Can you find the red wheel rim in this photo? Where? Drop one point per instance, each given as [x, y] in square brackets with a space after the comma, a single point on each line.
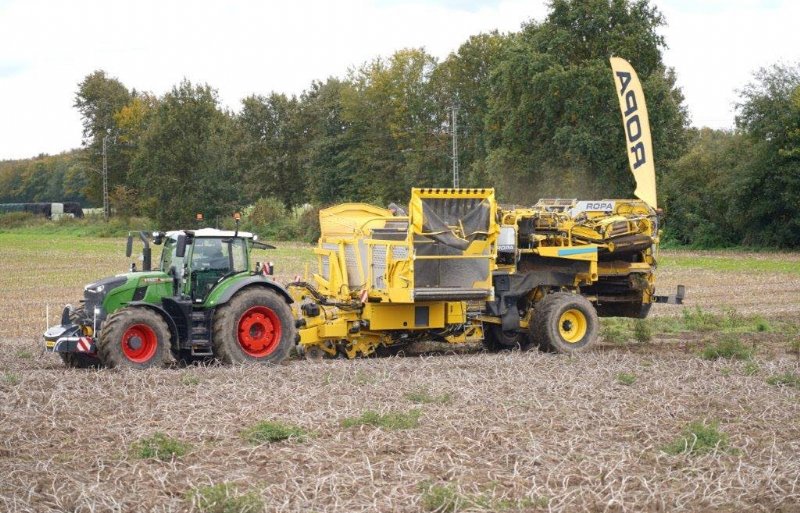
[259, 331]
[139, 343]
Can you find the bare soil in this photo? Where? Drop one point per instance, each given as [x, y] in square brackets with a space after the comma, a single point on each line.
[520, 431]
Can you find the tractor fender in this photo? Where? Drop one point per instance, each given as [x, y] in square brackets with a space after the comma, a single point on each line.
[173, 329]
[253, 281]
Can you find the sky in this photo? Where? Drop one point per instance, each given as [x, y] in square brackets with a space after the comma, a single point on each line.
[244, 47]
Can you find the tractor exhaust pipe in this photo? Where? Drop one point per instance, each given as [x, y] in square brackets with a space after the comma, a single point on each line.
[146, 252]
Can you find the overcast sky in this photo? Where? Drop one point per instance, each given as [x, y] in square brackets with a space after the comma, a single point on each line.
[241, 47]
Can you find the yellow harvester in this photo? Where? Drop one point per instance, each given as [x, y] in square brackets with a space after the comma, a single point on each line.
[459, 269]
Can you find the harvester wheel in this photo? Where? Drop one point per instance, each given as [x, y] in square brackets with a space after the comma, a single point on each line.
[495, 339]
[255, 326]
[135, 338]
[564, 322]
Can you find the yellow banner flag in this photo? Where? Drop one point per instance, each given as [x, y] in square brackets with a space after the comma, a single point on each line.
[637, 129]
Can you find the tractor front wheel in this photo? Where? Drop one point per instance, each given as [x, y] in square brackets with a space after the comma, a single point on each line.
[79, 361]
[255, 326]
[135, 338]
[564, 322]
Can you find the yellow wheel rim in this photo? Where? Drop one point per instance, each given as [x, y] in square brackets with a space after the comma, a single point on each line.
[572, 326]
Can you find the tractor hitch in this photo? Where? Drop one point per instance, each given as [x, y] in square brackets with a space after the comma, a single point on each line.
[672, 299]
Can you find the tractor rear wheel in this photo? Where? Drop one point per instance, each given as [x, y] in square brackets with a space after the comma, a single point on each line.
[495, 339]
[135, 338]
[564, 322]
[255, 326]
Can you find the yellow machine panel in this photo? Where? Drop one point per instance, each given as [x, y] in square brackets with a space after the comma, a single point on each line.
[416, 316]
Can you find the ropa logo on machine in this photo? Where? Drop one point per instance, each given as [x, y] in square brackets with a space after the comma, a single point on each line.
[592, 206]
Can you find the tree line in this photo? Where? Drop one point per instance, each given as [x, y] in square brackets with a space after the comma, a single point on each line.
[537, 117]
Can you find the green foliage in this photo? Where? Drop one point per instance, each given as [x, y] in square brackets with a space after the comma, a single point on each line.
[739, 188]
[190, 380]
[750, 369]
[556, 120]
[72, 227]
[762, 325]
[642, 331]
[787, 379]
[729, 348]
[699, 320]
[159, 446]
[442, 498]
[19, 220]
[423, 396]
[625, 378]
[11, 378]
[271, 149]
[270, 219]
[224, 498]
[267, 211]
[271, 431]
[308, 226]
[56, 178]
[536, 106]
[98, 99]
[391, 420]
[614, 330]
[730, 263]
[184, 163]
[24, 354]
[699, 438]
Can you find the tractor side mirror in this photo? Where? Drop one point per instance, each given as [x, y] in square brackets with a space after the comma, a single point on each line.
[129, 246]
[180, 246]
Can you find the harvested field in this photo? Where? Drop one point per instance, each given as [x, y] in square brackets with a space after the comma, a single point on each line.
[602, 431]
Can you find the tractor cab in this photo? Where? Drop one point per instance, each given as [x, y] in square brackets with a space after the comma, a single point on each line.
[198, 260]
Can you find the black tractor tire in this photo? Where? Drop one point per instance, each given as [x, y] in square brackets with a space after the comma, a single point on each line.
[256, 325]
[564, 322]
[134, 338]
[79, 360]
[495, 339]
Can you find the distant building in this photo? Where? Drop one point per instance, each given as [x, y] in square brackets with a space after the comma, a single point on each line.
[49, 210]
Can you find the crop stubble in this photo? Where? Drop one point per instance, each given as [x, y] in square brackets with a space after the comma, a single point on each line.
[518, 431]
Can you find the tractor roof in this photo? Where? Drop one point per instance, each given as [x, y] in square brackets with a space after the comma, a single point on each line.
[212, 232]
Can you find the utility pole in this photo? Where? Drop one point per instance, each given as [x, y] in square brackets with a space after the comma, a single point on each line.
[455, 145]
[106, 210]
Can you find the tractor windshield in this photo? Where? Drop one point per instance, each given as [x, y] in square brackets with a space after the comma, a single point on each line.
[212, 259]
[168, 254]
[213, 254]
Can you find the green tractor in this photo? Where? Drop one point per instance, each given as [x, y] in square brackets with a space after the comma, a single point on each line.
[202, 301]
